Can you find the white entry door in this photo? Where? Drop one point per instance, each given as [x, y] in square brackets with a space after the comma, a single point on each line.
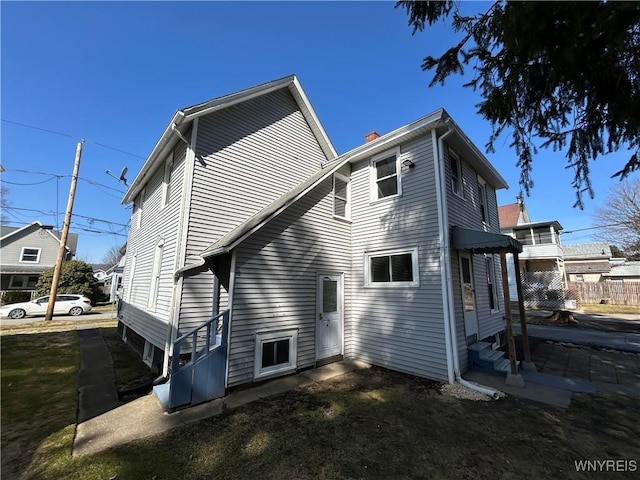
[468, 296]
[329, 316]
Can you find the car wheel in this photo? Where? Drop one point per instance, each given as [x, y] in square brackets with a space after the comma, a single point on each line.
[17, 313]
[75, 311]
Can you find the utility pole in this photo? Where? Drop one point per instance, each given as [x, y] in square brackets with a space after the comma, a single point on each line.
[65, 233]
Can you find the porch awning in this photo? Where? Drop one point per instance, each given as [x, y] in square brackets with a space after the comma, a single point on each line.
[483, 242]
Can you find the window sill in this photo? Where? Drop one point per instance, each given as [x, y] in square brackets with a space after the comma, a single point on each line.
[342, 219]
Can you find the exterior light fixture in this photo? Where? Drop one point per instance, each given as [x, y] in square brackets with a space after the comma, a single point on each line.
[408, 163]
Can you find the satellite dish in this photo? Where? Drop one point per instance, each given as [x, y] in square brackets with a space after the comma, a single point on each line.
[122, 176]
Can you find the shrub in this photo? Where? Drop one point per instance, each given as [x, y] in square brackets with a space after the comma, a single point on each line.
[75, 277]
[15, 296]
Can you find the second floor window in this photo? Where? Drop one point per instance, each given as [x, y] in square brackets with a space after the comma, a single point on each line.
[456, 174]
[341, 202]
[482, 199]
[30, 255]
[385, 176]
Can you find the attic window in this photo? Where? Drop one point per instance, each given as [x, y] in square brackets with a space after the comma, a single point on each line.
[30, 255]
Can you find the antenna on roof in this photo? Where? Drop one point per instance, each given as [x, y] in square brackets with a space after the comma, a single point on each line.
[122, 178]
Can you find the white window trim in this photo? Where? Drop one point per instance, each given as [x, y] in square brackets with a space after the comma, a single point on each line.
[147, 354]
[454, 155]
[166, 182]
[37, 260]
[134, 260]
[491, 266]
[140, 205]
[348, 199]
[154, 288]
[373, 181]
[384, 253]
[266, 337]
[483, 201]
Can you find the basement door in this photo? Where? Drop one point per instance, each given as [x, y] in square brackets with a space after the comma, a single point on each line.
[329, 316]
[468, 296]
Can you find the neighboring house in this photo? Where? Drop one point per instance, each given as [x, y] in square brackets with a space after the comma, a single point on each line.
[100, 271]
[587, 262]
[242, 213]
[624, 272]
[541, 262]
[26, 252]
[112, 286]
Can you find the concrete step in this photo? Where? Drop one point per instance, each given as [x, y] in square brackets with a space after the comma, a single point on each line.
[489, 359]
[504, 366]
[162, 392]
[479, 346]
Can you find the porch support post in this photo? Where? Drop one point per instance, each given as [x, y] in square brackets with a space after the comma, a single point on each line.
[216, 294]
[513, 377]
[527, 364]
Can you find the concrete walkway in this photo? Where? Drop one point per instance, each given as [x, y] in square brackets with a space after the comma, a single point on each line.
[144, 416]
[97, 392]
[625, 342]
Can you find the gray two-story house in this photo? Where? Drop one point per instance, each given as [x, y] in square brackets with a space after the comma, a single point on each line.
[255, 251]
[27, 252]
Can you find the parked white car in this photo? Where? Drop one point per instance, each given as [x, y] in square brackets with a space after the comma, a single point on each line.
[65, 303]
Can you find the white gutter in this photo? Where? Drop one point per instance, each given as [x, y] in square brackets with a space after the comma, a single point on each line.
[451, 344]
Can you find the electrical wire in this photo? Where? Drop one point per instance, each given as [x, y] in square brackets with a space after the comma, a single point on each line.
[71, 136]
[28, 184]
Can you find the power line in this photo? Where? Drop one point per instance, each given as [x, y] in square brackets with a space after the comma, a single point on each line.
[38, 128]
[592, 228]
[28, 184]
[71, 136]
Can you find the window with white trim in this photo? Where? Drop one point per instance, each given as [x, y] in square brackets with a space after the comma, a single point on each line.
[30, 255]
[147, 355]
[491, 283]
[385, 175]
[140, 204]
[482, 200]
[131, 275]
[398, 268]
[456, 174]
[341, 197]
[275, 353]
[166, 182]
[155, 274]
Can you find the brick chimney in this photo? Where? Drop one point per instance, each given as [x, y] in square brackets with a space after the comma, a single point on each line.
[370, 137]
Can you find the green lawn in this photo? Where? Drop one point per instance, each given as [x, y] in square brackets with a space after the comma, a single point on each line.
[366, 424]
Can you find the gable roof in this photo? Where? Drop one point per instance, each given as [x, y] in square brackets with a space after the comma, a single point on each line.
[72, 238]
[182, 119]
[438, 119]
[508, 215]
[582, 251]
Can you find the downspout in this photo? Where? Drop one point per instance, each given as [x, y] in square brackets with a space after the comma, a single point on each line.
[451, 344]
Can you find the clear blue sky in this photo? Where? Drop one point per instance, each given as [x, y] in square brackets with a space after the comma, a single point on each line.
[114, 74]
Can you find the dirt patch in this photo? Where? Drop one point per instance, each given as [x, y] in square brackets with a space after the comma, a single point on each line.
[593, 321]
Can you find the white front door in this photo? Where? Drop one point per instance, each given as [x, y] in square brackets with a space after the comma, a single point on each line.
[329, 316]
[468, 296]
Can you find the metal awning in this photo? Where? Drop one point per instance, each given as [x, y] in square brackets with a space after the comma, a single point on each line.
[479, 241]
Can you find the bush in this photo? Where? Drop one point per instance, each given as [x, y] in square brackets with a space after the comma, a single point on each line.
[15, 296]
[75, 277]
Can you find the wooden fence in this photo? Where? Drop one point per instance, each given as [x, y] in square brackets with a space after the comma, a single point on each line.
[615, 293]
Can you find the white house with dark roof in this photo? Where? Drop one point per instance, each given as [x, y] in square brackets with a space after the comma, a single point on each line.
[255, 251]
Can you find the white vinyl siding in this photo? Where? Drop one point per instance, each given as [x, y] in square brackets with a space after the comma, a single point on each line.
[276, 279]
[398, 328]
[155, 275]
[34, 237]
[465, 212]
[166, 182]
[141, 248]
[248, 156]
